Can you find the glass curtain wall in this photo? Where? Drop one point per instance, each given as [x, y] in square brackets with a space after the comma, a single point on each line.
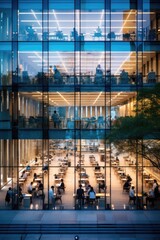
[68, 71]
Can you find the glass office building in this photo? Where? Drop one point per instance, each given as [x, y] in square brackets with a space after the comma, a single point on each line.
[68, 70]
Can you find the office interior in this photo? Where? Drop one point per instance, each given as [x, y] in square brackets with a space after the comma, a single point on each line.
[105, 53]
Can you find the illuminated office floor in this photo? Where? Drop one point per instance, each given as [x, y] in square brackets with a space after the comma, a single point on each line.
[119, 199]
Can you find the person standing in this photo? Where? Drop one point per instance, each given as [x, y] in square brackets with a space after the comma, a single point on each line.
[132, 195]
[80, 195]
[51, 196]
[56, 119]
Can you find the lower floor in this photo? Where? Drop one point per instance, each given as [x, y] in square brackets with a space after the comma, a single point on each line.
[29, 182]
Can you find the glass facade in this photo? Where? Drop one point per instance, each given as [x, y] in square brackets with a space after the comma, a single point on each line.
[68, 70]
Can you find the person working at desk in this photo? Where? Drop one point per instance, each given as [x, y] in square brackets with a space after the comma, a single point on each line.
[99, 74]
[57, 75]
[24, 175]
[102, 186]
[74, 34]
[50, 71]
[30, 188]
[98, 32]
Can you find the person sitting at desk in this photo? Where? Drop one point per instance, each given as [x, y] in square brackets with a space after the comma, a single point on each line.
[99, 74]
[50, 72]
[74, 34]
[57, 76]
[133, 78]
[99, 71]
[102, 186]
[151, 77]
[98, 32]
[127, 185]
[59, 35]
[97, 168]
[28, 168]
[56, 119]
[24, 175]
[34, 176]
[129, 178]
[45, 167]
[30, 188]
[31, 34]
[124, 77]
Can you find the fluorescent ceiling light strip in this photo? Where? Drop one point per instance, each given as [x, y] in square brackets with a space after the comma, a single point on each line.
[63, 98]
[123, 63]
[62, 62]
[54, 13]
[101, 19]
[125, 22]
[97, 98]
[36, 18]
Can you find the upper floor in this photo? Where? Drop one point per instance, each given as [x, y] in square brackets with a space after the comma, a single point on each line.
[86, 20]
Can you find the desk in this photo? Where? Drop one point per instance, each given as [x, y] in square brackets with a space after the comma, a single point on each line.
[123, 179]
[27, 200]
[150, 180]
[100, 179]
[98, 195]
[58, 35]
[37, 179]
[83, 180]
[118, 36]
[102, 195]
[22, 180]
[98, 173]
[120, 171]
[57, 180]
[28, 173]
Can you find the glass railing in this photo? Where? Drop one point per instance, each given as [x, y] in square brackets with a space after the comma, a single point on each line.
[42, 80]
